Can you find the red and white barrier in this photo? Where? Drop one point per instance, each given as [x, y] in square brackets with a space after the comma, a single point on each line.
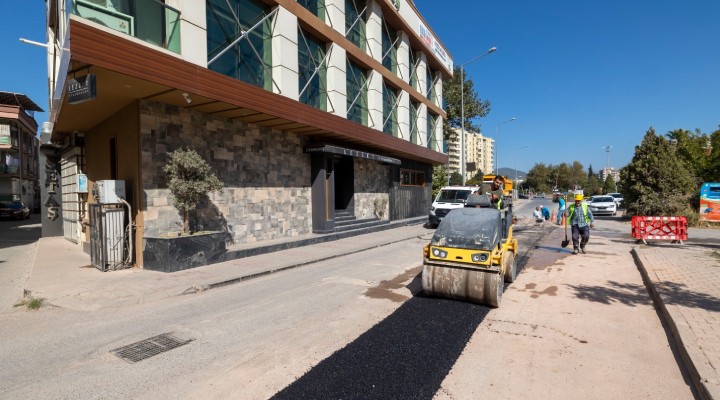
[659, 228]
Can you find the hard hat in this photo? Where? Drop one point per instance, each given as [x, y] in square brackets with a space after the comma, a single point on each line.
[578, 197]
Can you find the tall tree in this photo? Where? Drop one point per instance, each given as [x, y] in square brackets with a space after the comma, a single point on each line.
[473, 105]
[656, 182]
[590, 171]
[539, 178]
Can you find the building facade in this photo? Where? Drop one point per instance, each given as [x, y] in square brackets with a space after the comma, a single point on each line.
[615, 173]
[479, 153]
[303, 109]
[18, 149]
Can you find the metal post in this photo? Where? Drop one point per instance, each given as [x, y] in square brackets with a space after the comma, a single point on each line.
[462, 124]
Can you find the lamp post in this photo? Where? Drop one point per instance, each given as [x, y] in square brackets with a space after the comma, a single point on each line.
[516, 177]
[462, 110]
[497, 128]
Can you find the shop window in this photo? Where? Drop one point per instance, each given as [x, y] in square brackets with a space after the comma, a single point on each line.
[410, 177]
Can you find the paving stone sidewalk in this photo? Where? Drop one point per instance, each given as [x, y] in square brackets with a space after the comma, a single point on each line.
[685, 282]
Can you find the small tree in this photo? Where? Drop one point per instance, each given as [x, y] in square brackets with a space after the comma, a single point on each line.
[189, 179]
[609, 185]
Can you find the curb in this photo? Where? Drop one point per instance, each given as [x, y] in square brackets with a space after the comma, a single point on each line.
[696, 364]
[196, 288]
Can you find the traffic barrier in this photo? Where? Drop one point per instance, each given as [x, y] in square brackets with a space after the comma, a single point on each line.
[659, 228]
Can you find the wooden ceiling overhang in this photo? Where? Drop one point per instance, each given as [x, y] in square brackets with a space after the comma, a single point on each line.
[128, 70]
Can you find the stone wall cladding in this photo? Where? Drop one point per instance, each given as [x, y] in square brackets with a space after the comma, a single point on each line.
[265, 173]
[371, 183]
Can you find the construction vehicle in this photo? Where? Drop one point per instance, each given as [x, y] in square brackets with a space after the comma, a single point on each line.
[472, 254]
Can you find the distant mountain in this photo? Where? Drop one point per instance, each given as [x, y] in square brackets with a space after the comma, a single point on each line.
[510, 173]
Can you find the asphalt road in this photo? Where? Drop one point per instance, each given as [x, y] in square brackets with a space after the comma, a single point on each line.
[18, 241]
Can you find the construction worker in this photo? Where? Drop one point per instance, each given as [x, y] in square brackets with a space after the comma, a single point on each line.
[561, 207]
[580, 223]
[495, 192]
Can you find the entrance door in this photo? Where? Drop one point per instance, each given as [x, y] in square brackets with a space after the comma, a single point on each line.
[344, 183]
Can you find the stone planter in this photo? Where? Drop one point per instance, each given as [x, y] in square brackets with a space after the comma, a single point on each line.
[176, 253]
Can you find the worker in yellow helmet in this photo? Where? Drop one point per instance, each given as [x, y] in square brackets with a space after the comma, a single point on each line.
[580, 223]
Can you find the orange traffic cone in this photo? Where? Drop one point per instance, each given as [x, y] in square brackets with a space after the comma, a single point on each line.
[552, 216]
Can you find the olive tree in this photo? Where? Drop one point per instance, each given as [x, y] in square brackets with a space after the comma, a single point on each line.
[189, 179]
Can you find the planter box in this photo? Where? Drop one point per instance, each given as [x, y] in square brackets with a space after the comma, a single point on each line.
[171, 254]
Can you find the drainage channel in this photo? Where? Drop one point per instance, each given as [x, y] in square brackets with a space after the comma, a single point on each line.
[147, 348]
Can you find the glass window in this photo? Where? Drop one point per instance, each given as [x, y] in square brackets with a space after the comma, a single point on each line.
[389, 50]
[312, 71]
[249, 59]
[316, 7]
[431, 124]
[414, 131]
[390, 125]
[430, 86]
[355, 22]
[413, 70]
[356, 93]
[412, 178]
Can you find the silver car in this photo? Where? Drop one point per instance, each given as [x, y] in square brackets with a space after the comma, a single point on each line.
[600, 205]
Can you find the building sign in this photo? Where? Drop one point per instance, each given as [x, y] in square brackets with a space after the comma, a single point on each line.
[326, 148]
[51, 183]
[434, 45]
[81, 89]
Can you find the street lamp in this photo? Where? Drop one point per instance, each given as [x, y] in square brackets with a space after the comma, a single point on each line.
[516, 151]
[462, 110]
[497, 128]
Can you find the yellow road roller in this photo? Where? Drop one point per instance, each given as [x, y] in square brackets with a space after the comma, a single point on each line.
[471, 255]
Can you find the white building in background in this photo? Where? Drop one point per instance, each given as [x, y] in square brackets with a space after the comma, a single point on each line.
[479, 153]
[610, 171]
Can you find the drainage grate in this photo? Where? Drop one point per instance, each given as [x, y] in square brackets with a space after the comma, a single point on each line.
[149, 347]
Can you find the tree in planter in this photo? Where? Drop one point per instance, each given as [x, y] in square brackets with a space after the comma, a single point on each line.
[189, 179]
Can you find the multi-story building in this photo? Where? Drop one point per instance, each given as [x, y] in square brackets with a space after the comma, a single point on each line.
[302, 108]
[609, 171]
[479, 152]
[18, 149]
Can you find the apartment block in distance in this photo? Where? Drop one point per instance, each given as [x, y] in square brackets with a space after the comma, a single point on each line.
[18, 149]
[306, 110]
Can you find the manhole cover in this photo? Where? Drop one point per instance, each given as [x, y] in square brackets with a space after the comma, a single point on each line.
[149, 347]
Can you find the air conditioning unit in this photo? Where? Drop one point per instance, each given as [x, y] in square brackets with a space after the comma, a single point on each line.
[109, 191]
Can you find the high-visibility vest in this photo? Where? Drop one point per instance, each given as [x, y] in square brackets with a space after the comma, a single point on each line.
[571, 209]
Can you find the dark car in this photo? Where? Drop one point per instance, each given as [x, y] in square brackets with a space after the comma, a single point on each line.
[14, 210]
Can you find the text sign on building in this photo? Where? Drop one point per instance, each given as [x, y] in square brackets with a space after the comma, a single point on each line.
[351, 153]
[434, 45]
[82, 183]
[81, 89]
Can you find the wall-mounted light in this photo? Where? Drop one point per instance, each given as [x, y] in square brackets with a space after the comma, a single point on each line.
[187, 97]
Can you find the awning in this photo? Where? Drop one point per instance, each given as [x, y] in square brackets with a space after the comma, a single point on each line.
[19, 100]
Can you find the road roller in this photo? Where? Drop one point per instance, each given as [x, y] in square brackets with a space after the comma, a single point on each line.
[472, 254]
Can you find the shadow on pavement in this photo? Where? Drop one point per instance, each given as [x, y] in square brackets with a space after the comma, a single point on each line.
[405, 356]
[632, 295]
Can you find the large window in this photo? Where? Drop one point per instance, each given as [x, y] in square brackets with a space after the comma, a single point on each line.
[431, 124]
[316, 7]
[390, 96]
[413, 70]
[414, 130]
[355, 22]
[312, 71]
[356, 93]
[248, 59]
[410, 177]
[430, 86]
[389, 48]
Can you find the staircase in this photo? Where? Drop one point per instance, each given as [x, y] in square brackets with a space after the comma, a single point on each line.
[345, 221]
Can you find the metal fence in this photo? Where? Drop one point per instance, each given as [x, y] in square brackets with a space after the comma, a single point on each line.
[107, 236]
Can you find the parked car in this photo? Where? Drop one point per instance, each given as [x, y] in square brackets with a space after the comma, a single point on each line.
[448, 199]
[14, 210]
[602, 205]
[618, 198]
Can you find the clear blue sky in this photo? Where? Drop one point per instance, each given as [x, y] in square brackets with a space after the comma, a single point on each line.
[580, 75]
[577, 75]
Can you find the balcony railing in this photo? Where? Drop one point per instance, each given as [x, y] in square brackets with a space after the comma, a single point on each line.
[147, 20]
[8, 169]
[7, 140]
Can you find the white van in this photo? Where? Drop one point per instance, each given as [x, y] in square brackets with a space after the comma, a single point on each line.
[449, 198]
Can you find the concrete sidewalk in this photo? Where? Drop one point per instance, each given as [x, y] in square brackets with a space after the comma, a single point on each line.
[684, 281]
[63, 276]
